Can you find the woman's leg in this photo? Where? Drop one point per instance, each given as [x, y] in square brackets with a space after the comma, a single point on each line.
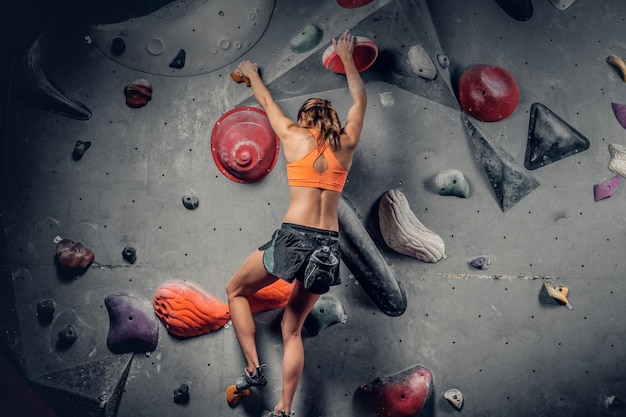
[296, 311]
[250, 278]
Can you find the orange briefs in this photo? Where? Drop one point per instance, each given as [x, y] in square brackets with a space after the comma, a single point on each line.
[301, 173]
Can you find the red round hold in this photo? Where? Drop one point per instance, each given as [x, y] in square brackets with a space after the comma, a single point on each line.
[488, 93]
[244, 146]
[353, 4]
[364, 54]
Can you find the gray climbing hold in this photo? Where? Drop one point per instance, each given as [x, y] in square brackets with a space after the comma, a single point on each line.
[79, 149]
[130, 254]
[421, 64]
[190, 200]
[452, 182]
[45, 311]
[443, 61]
[181, 394]
[66, 337]
[617, 162]
[481, 262]
[454, 398]
[509, 182]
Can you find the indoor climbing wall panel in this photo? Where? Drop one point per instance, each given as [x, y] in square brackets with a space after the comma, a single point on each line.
[109, 145]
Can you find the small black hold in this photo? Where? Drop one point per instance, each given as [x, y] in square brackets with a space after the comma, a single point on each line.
[79, 149]
[45, 311]
[130, 254]
[179, 60]
[118, 46]
[191, 201]
[181, 394]
[67, 336]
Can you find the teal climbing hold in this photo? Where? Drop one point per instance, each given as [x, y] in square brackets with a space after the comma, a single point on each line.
[452, 182]
[326, 312]
[307, 39]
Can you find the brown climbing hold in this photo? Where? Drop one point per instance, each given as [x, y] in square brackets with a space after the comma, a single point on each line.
[238, 77]
[138, 93]
[74, 254]
[188, 311]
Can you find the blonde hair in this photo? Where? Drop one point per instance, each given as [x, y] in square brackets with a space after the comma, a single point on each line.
[319, 114]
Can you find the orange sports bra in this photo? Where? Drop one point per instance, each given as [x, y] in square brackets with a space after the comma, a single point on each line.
[301, 173]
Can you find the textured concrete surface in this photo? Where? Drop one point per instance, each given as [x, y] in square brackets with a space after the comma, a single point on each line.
[495, 334]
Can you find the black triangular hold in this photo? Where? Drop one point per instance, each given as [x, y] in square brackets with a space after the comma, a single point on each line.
[509, 182]
[91, 389]
[521, 10]
[550, 138]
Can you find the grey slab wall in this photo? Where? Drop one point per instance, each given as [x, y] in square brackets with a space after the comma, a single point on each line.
[494, 334]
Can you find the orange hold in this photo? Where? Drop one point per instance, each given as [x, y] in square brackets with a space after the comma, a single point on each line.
[271, 297]
[187, 311]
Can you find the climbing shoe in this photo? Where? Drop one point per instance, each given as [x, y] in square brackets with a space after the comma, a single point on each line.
[246, 380]
[271, 413]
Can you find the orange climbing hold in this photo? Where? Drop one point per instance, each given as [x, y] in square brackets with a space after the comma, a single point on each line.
[233, 396]
[187, 311]
[271, 297]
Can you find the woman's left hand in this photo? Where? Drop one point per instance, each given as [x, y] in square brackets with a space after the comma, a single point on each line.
[246, 68]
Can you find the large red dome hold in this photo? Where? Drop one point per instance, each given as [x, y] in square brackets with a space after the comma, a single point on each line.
[488, 93]
[244, 146]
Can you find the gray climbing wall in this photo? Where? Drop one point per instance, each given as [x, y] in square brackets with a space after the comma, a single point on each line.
[493, 334]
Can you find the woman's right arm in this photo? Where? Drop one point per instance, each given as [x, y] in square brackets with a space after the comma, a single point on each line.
[280, 123]
[356, 115]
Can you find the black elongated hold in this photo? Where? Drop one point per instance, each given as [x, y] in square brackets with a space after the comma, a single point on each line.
[130, 254]
[521, 10]
[45, 311]
[118, 46]
[363, 258]
[32, 87]
[79, 149]
[67, 335]
[179, 60]
[181, 394]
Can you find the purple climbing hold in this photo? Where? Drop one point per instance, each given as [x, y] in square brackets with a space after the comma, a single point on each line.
[620, 113]
[133, 326]
[482, 262]
[606, 188]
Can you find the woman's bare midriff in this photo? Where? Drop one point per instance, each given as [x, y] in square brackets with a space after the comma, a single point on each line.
[313, 207]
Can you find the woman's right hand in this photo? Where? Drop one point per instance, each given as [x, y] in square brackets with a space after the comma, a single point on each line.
[345, 45]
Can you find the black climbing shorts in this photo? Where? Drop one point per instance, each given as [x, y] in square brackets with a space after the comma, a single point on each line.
[287, 254]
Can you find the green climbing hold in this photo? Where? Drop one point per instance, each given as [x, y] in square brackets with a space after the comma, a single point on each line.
[326, 312]
[452, 182]
[307, 39]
